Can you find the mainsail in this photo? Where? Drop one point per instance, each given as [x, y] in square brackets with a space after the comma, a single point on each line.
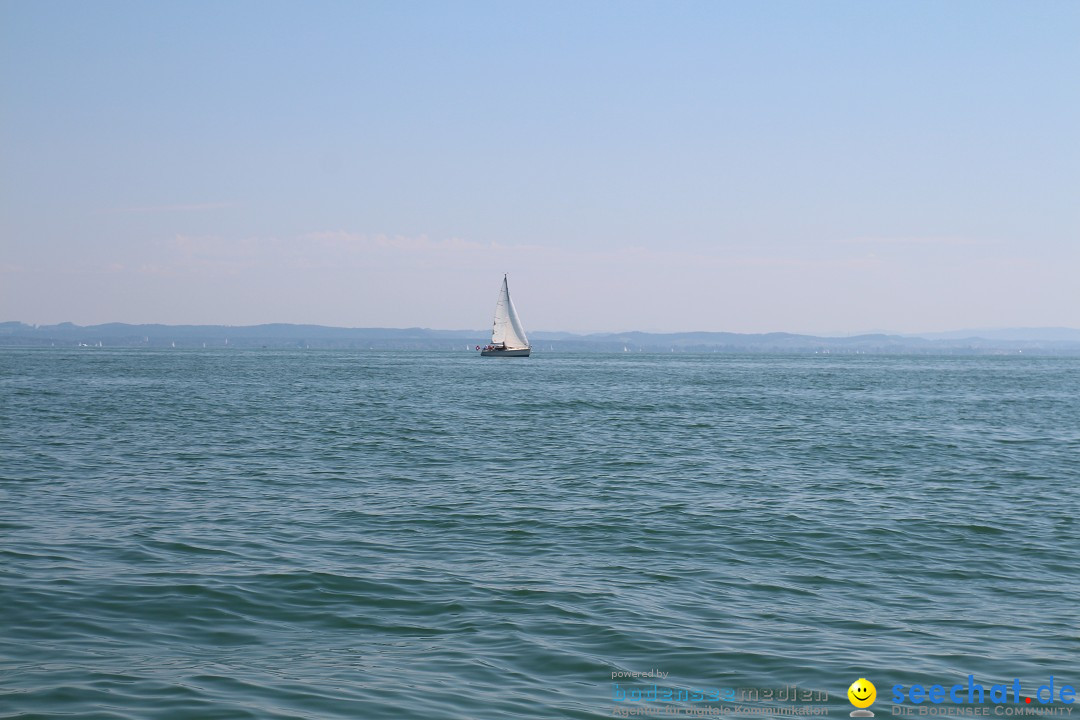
[507, 330]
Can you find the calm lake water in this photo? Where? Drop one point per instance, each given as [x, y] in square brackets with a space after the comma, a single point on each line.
[319, 534]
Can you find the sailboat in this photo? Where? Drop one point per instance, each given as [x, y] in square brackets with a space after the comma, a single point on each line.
[507, 336]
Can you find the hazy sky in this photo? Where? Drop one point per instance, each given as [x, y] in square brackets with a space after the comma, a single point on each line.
[747, 166]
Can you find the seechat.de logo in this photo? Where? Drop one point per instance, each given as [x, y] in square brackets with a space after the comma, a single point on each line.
[975, 693]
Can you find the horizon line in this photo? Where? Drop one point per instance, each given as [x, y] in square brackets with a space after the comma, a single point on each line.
[845, 334]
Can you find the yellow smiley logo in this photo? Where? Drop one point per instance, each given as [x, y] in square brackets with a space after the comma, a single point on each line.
[862, 693]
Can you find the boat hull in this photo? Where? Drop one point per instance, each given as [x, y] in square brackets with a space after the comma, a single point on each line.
[505, 353]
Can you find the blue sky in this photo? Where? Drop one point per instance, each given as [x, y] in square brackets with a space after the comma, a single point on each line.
[754, 166]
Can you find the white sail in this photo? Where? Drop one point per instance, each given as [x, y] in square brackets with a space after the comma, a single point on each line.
[507, 330]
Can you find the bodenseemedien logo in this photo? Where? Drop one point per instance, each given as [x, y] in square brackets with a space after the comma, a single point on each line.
[862, 694]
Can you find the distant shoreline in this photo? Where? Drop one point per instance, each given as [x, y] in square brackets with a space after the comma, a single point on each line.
[1056, 341]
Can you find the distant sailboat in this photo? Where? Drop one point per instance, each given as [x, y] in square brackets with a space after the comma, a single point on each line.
[507, 336]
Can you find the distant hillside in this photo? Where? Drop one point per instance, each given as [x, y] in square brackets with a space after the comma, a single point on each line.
[277, 335]
[1039, 334]
[1060, 341]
